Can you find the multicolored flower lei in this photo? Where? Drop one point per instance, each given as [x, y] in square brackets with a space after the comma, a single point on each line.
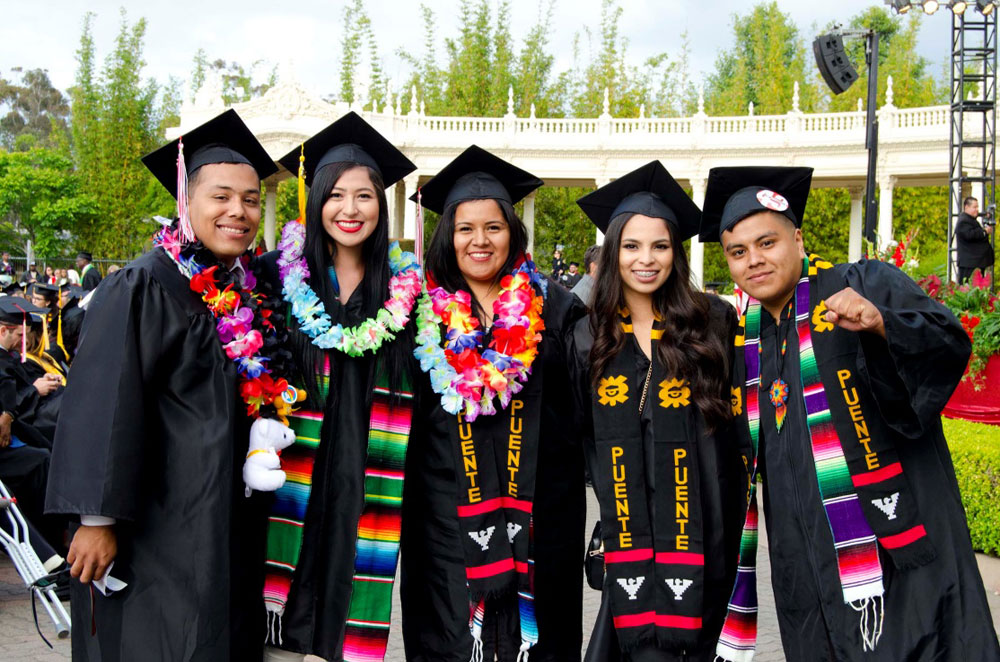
[465, 378]
[242, 321]
[404, 288]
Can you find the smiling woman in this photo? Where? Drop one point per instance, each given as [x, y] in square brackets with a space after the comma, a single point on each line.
[494, 504]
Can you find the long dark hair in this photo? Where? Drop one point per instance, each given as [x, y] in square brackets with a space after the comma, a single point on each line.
[320, 250]
[689, 346]
[442, 264]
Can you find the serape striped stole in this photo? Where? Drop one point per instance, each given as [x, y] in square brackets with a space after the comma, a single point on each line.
[377, 547]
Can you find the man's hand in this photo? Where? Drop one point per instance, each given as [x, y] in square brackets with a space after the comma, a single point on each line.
[849, 310]
[46, 384]
[5, 423]
[91, 552]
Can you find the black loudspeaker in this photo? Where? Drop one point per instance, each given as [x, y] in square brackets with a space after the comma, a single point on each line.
[833, 63]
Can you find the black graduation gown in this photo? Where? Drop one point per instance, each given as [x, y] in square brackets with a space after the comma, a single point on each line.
[91, 278]
[72, 320]
[152, 433]
[434, 595]
[315, 617]
[722, 480]
[937, 611]
[35, 416]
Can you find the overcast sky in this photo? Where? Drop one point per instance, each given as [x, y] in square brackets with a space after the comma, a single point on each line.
[307, 33]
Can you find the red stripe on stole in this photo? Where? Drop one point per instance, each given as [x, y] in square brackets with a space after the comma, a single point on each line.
[521, 567]
[681, 558]
[904, 538]
[877, 476]
[681, 622]
[490, 569]
[660, 620]
[643, 554]
[493, 504]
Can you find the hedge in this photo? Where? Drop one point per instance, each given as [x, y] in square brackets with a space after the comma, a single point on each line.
[975, 451]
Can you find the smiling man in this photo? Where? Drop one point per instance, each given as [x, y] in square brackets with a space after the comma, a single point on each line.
[152, 434]
[838, 402]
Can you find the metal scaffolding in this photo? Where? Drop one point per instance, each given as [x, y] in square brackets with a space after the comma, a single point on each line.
[973, 117]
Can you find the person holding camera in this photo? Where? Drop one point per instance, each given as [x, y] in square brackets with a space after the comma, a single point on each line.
[975, 248]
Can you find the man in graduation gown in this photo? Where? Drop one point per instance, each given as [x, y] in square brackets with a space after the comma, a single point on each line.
[24, 458]
[151, 435]
[868, 539]
[90, 276]
[22, 395]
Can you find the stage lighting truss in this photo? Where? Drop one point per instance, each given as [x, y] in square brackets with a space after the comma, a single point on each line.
[984, 7]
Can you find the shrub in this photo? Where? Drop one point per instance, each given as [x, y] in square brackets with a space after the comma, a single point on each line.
[975, 451]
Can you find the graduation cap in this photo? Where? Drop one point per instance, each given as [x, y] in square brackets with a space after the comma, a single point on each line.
[733, 193]
[223, 139]
[84, 255]
[13, 289]
[46, 290]
[351, 140]
[650, 191]
[71, 291]
[15, 310]
[475, 174]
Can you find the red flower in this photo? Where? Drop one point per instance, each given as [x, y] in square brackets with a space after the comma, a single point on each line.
[980, 280]
[509, 341]
[203, 280]
[970, 324]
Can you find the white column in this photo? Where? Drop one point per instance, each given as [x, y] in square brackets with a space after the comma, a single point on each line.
[410, 211]
[886, 184]
[270, 216]
[599, 238]
[854, 238]
[528, 217]
[390, 209]
[396, 223]
[697, 248]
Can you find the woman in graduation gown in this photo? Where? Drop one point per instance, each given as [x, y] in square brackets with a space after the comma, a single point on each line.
[333, 533]
[152, 431]
[494, 506]
[651, 373]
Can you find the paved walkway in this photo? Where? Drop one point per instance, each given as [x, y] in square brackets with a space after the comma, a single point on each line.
[20, 643]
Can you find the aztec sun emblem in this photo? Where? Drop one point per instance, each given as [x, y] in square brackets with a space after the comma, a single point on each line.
[819, 320]
[736, 399]
[674, 393]
[771, 200]
[612, 390]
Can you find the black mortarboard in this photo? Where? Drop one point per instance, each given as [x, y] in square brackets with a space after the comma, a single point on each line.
[650, 191]
[84, 255]
[45, 287]
[71, 291]
[14, 309]
[733, 193]
[222, 139]
[351, 140]
[13, 288]
[475, 174]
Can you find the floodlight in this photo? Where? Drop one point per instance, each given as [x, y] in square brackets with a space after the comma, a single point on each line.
[959, 6]
[985, 7]
[930, 6]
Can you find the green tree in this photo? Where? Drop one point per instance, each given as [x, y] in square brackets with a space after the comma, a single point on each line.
[34, 108]
[115, 120]
[767, 59]
[41, 200]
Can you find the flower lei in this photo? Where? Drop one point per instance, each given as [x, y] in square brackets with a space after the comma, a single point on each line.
[242, 321]
[465, 378]
[404, 288]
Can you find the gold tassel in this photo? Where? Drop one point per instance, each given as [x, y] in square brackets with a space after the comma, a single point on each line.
[302, 184]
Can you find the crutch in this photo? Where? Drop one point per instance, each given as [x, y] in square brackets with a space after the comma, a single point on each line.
[26, 562]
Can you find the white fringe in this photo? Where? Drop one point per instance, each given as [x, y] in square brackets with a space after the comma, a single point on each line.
[477, 649]
[871, 623]
[522, 654]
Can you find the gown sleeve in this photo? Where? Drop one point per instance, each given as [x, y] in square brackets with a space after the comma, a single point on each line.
[17, 396]
[916, 368]
[103, 442]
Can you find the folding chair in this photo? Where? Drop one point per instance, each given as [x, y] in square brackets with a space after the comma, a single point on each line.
[28, 565]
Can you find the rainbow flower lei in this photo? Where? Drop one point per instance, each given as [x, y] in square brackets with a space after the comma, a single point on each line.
[465, 378]
[242, 320]
[404, 288]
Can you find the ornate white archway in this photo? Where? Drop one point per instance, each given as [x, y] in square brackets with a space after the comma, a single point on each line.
[913, 146]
